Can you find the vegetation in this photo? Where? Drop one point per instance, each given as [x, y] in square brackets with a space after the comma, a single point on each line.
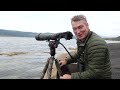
[114, 39]
[13, 33]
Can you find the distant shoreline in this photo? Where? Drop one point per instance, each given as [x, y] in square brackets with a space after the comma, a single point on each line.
[14, 33]
[13, 36]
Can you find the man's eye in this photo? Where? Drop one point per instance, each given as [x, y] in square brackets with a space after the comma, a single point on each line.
[74, 28]
[79, 27]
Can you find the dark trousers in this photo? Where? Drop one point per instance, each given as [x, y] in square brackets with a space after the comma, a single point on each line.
[68, 69]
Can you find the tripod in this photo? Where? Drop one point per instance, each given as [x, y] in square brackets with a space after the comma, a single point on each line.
[49, 64]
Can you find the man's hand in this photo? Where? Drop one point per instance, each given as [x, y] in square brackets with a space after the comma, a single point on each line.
[65, 76]
[62, 62]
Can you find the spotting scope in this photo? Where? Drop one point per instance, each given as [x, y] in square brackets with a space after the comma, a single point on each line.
[54, 36]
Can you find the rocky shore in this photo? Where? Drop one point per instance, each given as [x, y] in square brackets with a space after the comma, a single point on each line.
[115, 59]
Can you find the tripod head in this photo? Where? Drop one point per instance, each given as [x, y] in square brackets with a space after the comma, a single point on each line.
[53, 44]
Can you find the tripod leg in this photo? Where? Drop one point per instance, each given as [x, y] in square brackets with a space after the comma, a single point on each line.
[58, 68]
[49, 71]
[45, 69]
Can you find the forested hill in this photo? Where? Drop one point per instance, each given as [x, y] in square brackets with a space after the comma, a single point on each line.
[14, 33]
[115, 38]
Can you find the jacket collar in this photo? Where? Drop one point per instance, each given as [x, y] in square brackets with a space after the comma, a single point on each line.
[82, 43]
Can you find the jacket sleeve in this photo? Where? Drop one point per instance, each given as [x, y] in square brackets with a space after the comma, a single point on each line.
[96, 62]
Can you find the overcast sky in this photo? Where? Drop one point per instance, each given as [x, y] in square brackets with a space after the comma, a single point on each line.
[105, 23]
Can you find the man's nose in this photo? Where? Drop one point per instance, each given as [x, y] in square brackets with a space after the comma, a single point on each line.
[78, 30]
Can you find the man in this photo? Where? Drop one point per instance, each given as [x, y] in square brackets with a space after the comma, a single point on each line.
[92, 55]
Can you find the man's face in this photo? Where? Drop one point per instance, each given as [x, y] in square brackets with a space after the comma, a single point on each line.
[80, 29]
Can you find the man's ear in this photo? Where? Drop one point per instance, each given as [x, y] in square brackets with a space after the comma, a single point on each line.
[87, 24]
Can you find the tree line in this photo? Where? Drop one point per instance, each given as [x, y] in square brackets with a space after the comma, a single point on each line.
[14, 33]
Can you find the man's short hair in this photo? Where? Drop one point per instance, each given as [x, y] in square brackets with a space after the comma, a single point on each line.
[78, 18]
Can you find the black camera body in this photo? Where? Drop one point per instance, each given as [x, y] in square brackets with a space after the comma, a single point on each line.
[54, 36]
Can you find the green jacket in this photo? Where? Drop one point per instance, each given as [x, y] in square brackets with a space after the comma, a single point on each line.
[93, 56]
